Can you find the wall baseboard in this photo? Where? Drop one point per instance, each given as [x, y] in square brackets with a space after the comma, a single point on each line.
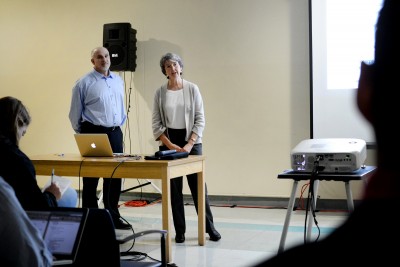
[255, 202]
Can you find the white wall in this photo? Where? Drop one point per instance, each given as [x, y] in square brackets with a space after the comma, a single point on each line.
[249, 58]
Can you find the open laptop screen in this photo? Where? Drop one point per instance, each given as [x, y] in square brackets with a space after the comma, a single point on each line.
[61, 229]
[93, 145]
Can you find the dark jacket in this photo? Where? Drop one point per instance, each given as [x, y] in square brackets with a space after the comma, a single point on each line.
[17, 170]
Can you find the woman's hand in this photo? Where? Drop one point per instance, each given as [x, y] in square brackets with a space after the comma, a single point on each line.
[177, 148]
[169, 144]
[55, 190]
[187, 148]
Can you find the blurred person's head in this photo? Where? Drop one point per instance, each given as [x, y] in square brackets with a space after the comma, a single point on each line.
[14, 119]
[379, 89]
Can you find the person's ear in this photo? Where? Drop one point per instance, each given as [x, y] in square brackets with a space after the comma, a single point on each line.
[92, 60]
[364, 92]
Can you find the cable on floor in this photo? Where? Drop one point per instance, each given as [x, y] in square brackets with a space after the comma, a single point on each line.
[136, 203]
[140, 203]
[133, 256]
[300, 205]
[140, 256]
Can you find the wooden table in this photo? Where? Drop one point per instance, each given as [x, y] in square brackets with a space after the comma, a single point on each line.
[127, 167]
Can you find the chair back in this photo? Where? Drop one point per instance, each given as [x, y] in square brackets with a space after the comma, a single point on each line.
[99, 246]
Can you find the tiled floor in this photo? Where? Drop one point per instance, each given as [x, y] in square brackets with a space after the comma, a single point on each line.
[249, 234]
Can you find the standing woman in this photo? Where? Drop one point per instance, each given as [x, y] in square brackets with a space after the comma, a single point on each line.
[178, 122]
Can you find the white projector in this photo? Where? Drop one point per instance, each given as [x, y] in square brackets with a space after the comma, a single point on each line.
[330, 155]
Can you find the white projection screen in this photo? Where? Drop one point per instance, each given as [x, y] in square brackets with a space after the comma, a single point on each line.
[342, 34]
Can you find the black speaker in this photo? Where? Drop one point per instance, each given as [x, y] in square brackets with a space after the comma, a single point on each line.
[120, 40]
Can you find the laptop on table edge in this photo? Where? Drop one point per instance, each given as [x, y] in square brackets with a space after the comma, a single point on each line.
[93, 145]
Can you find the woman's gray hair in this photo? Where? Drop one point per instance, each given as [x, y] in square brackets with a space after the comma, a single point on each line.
[170, 56]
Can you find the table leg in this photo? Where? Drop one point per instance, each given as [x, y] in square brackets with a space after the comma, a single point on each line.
[166, 215]
[288, 215]
[201, 208]
[350, 203]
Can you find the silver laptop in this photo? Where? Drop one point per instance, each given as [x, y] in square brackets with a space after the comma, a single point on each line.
[62, 230]
[94, 145]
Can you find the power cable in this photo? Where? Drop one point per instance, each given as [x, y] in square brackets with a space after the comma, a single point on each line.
[311, 200]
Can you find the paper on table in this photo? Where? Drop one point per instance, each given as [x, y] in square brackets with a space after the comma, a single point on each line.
[62, 182]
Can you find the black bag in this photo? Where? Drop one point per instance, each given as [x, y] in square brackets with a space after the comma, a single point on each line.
[167, 155]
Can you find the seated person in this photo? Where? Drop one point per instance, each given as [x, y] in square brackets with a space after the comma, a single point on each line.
[17, 169]
[21, 244]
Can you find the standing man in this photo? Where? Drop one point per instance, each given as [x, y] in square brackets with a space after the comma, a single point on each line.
[97, 106]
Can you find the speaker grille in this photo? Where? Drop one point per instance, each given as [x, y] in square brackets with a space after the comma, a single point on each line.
[117, 54]
[120, 40]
